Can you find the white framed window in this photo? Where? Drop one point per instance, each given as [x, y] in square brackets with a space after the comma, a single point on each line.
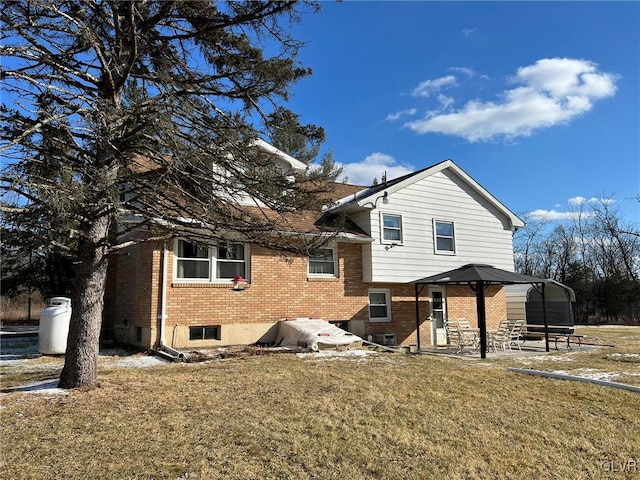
[391, 228]
[230, 261]
[193, 261]
[196, 262]
[444, 237]
[379, 305]
[323, 263]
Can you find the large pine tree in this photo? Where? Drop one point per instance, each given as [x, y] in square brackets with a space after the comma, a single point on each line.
[144, 113]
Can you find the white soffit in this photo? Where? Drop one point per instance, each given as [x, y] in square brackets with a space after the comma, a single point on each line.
[267, 147]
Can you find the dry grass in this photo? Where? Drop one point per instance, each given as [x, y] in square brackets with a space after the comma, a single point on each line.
[279, 416]
[618, 364]
[14, 311]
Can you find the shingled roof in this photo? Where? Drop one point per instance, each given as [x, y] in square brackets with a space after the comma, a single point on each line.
[315, 222]
[303, 222]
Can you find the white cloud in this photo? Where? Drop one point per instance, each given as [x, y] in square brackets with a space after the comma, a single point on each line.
[401, 113]
[469, 72]
[575, 210]
[374, 166]
[575, 201]
[468, 31]
[578, 201]
[553, 91]
[550, 215]
[445, 102]
[567, 78]
[426, 88]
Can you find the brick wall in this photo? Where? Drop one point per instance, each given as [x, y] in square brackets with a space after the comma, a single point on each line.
[461, 303]
[132, 294]
[279, 287]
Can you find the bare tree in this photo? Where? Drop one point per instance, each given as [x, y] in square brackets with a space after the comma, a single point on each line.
[525, 242]
[550, 256]
[619, 243]
[595, 253]
[144, 114]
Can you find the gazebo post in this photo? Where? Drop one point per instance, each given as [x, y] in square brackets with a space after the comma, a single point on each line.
[417, 318]
[482, 318]
[544, 317]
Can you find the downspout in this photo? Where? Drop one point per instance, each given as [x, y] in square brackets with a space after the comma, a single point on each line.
[163, 349]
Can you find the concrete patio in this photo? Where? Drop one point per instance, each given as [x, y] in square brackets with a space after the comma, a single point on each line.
[528, 348]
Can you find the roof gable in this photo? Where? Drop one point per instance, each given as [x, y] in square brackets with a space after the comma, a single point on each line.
[366, 197]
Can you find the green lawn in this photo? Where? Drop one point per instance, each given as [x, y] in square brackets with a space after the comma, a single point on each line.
[384, 416]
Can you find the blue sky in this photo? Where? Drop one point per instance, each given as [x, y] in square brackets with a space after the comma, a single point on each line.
[539, 102]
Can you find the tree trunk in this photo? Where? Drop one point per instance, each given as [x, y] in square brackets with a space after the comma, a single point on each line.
[87, 300]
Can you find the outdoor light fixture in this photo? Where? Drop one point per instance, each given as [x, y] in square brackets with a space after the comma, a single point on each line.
[384, 197]
[239, 283]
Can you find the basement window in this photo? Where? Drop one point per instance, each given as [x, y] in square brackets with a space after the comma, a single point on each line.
[210, 332]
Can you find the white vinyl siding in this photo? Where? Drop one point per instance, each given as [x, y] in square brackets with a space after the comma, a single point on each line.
[482, 234]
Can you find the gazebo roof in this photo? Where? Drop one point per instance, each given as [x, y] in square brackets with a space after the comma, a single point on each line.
[476, 272]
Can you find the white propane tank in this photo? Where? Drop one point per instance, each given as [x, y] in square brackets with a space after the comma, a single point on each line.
[54, 327]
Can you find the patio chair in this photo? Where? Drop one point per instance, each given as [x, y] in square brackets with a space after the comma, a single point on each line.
[464, 324]
[515, 334]
[452, 332]
[473, 334]
[461, 337]
[498, 335]
[508, 334]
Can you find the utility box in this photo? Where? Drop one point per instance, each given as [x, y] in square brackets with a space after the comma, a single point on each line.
[54, 327]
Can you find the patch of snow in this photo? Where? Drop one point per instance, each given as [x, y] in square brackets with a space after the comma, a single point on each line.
[19, 348]
[19, 362]
[113, 352]
[625, 355]
[137, 361]
[610, 326]
[335, 355]
[590, 373]
[48, 387]
[547, 358]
